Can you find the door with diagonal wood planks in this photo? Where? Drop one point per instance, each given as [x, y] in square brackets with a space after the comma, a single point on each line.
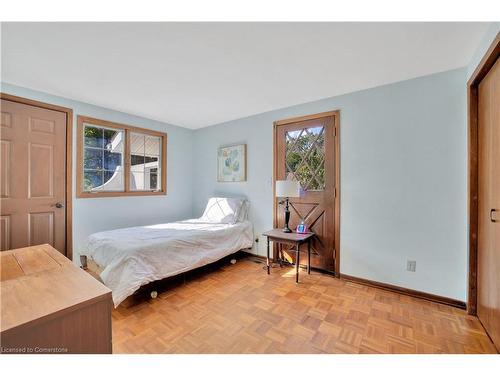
[306, 151]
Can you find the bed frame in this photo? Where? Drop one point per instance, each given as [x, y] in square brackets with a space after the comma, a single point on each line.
[151, 290]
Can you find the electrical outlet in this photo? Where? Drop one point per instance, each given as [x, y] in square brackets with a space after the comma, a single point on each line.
[411, 265]
[257, 239]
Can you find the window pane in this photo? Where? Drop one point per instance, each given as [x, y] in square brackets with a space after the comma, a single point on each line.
[136, 180]
[112, 160]
[92, 158]
[137, 144]
[93, 136]
[152, 146]
[113, 180]
[151, 165]
[113, 140]
[153, 181]
[152, 172]
[92, 180]
[305, 157]
[137, 160]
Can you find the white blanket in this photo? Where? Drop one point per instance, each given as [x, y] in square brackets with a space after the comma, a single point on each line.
[132, 257]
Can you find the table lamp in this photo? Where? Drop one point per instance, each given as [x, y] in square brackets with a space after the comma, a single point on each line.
[287, 189]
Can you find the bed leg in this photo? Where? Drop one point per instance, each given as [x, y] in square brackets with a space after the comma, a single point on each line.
[233, 261]
[154, 294]
[83, 261]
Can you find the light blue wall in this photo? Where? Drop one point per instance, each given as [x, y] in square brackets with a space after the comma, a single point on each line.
[97, 214]
[403, 179]
[483, 46]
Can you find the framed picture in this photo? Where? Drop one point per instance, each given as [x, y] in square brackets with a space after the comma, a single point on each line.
[231, 163]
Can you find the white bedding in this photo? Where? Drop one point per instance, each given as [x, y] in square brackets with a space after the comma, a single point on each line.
[132, 257]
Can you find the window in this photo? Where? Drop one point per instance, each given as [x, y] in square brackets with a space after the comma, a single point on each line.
[117, 160]
[305, 157]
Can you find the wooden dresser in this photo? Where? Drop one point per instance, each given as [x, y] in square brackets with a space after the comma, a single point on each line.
[49, 305]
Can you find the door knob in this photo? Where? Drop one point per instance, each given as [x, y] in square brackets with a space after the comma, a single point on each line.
[59, 205]
[493, 215]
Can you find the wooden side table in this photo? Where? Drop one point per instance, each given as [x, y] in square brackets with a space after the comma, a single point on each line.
[277, 235]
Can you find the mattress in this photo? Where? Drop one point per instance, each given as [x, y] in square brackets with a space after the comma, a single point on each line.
[132, 257]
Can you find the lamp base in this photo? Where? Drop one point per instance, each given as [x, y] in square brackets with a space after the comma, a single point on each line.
[287, 229]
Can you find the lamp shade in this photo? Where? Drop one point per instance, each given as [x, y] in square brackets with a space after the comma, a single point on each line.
[285, 188]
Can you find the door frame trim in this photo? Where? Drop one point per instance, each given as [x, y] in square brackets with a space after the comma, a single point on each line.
[336, 121]
[69, 160]
[480, 72]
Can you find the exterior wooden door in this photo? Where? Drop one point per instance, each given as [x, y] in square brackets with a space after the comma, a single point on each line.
[488, 256]
[306, 150]
[33, 176]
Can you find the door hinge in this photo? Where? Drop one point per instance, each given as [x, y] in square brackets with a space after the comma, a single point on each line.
[335, 131]
[335, 192]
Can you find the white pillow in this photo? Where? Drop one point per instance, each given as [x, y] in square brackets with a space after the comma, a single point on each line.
[222, 210]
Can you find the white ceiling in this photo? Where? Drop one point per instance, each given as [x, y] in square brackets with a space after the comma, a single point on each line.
[200, 74]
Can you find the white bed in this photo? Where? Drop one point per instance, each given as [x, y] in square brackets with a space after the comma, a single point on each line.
[132, 257]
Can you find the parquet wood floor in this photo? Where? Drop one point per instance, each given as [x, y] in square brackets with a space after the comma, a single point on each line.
[240, 309]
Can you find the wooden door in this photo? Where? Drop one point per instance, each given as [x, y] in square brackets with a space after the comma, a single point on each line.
[306, 150]
[488, 272]
[33, 176]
